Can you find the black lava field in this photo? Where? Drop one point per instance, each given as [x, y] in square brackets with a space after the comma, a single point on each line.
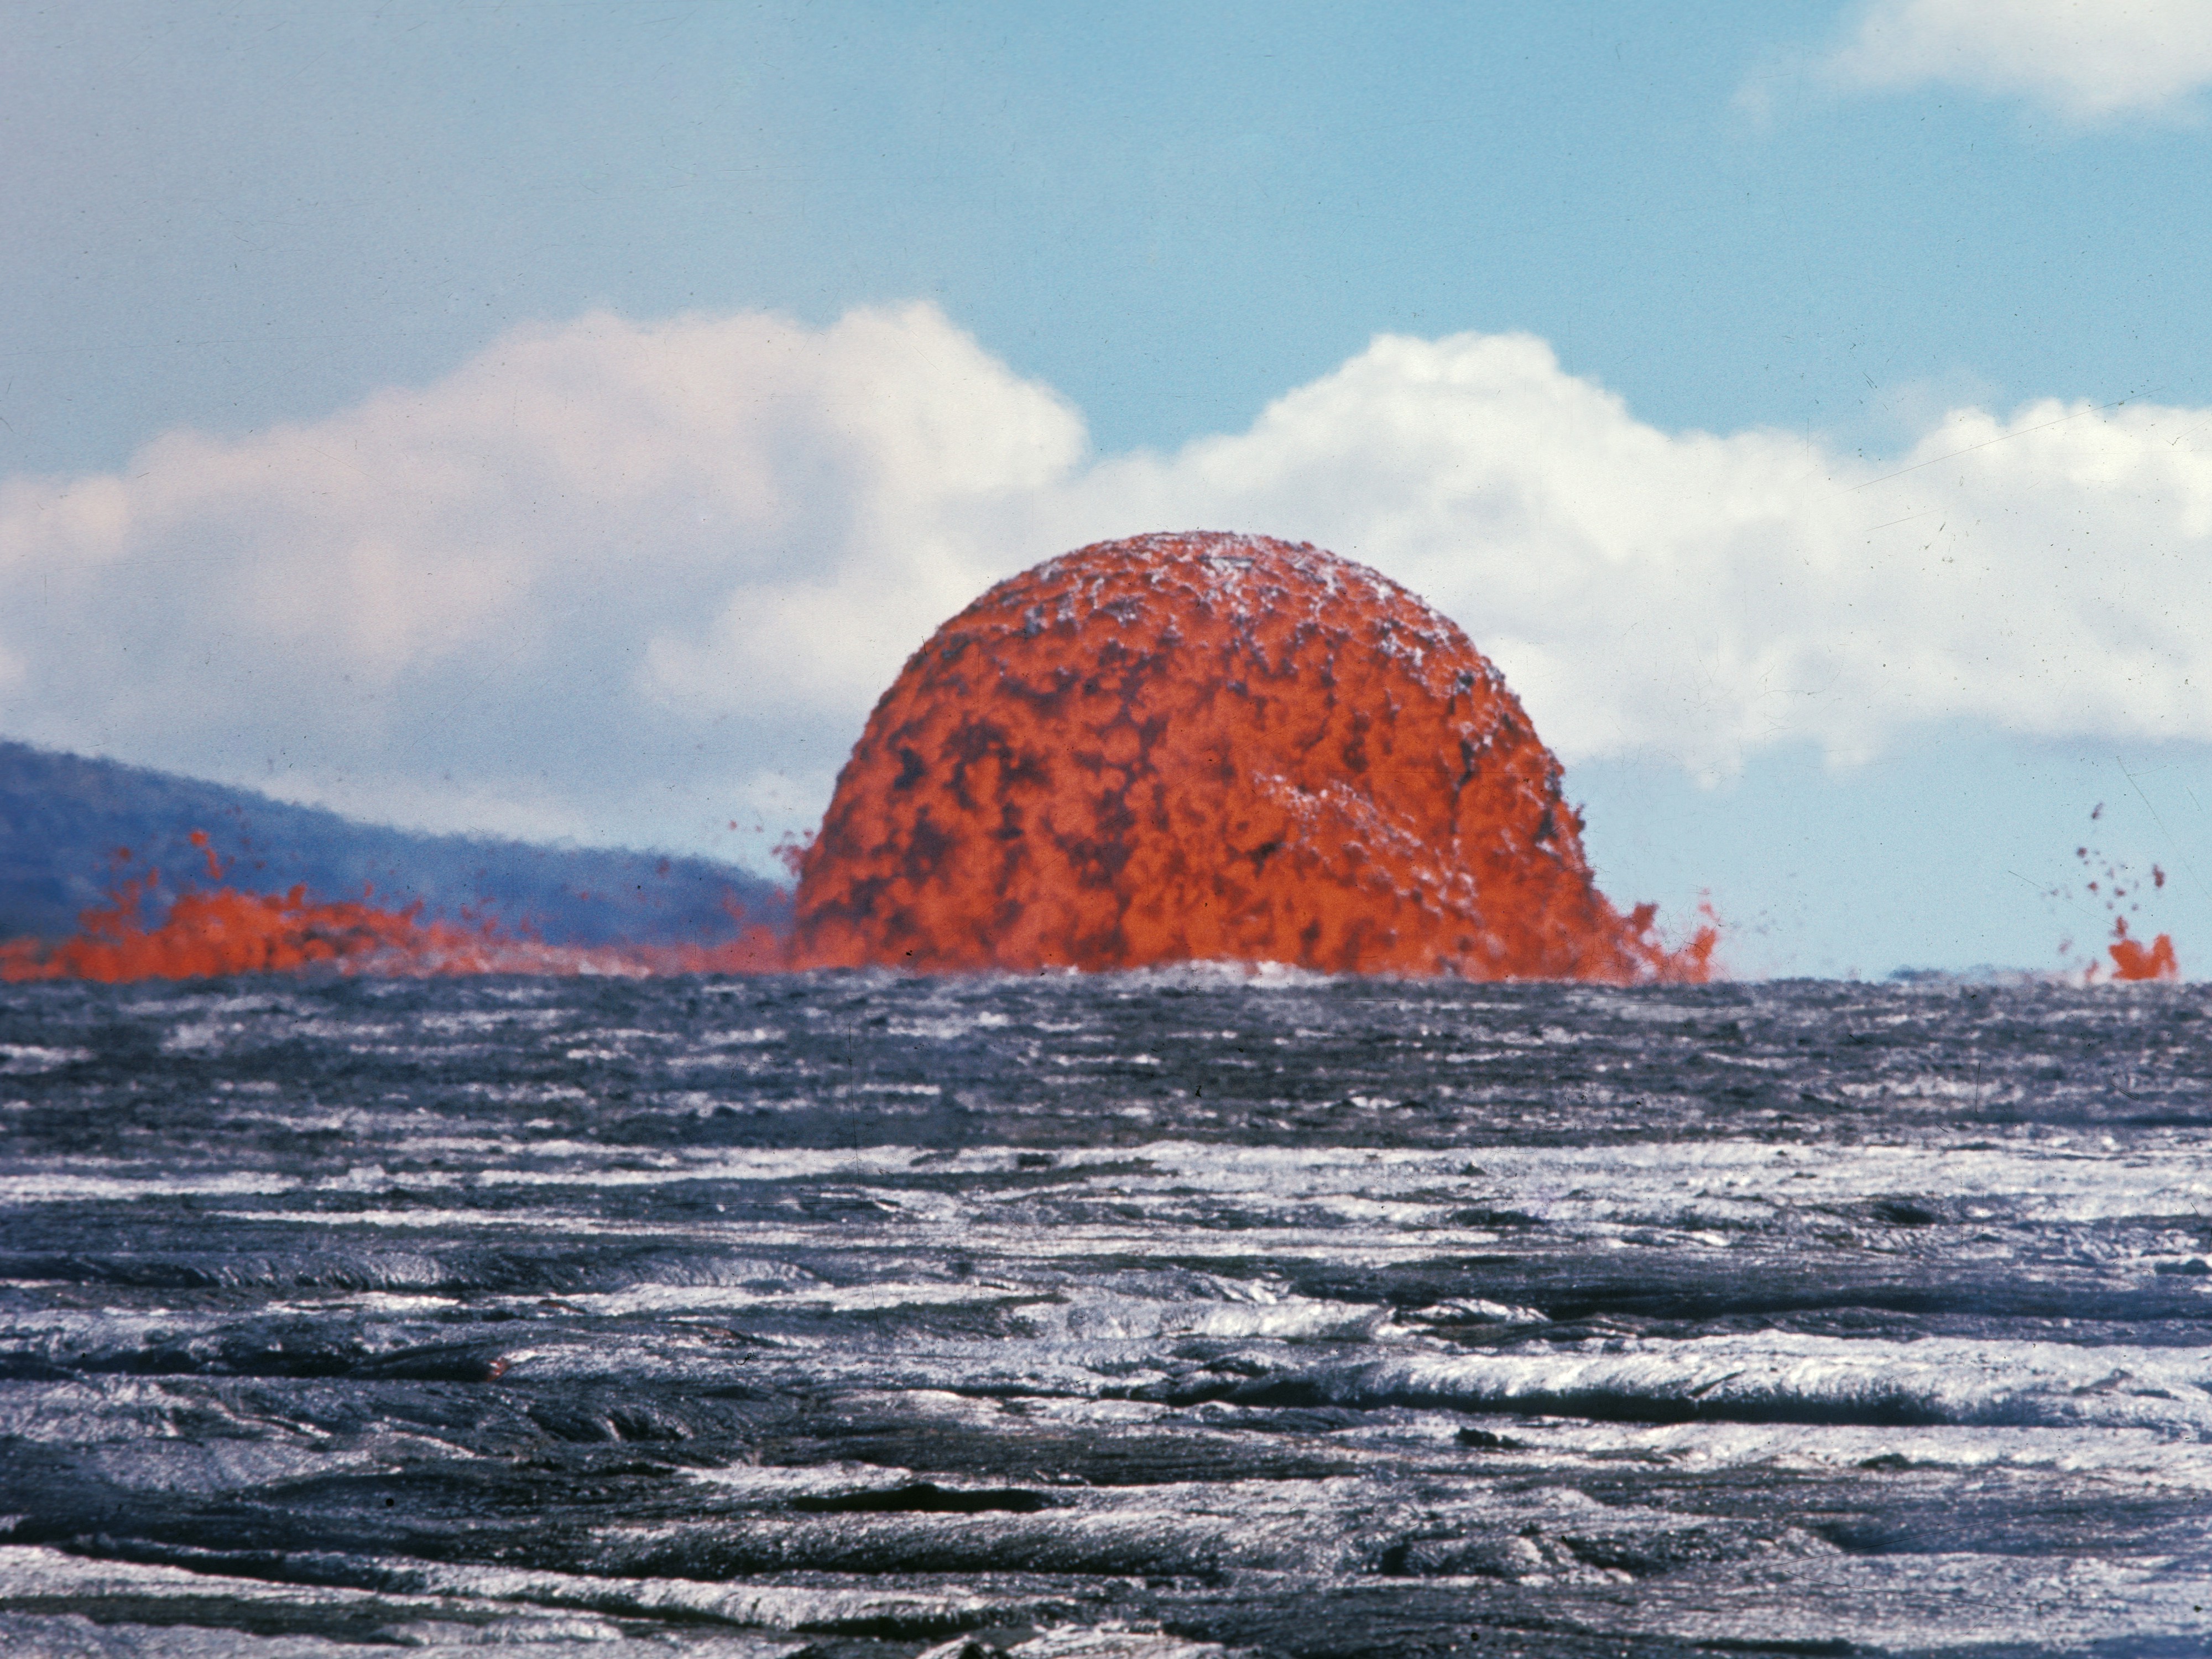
[1142, 1316]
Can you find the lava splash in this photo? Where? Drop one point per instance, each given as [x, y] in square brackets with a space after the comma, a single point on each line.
[2133, 959]
[217, 931]
[1211, 747]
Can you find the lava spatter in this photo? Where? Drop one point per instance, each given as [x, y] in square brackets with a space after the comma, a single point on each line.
[2118, 885]
[2133, 959]
[1203, 747]
[214, 932]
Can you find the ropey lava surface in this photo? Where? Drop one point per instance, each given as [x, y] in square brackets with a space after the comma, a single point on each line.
[1210, 747]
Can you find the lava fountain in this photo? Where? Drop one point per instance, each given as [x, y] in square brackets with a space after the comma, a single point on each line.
[1210, 747]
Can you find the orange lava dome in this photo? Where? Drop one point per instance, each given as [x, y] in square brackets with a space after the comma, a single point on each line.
[1209, 747]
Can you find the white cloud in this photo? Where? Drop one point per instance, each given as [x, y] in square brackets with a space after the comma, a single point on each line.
[630, 582]
[1704, 596]
[597, 557]
[2091, 60]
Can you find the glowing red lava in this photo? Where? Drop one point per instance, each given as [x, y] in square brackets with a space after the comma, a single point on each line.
[1208, 747]
[1171, 749]
[210, 932]
[2133, 959]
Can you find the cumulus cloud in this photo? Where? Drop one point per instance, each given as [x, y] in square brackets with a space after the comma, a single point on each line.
[630, 582]
[1703, 596]
[604, 580]
[2091, 60]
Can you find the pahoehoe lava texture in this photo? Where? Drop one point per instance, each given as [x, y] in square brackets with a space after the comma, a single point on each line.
[1128, 1316]
[1209, 747]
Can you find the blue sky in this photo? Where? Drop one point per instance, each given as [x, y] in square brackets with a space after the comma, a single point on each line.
[562, 419]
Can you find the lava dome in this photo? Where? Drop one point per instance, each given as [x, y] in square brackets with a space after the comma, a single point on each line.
[1209, 747]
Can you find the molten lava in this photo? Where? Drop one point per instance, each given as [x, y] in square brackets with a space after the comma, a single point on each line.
[1171, 749]
[2133, 959]
[210, 932]
[2117, 884]
[1210, 747]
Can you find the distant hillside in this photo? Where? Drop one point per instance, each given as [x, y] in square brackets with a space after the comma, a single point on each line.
[63, 818]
